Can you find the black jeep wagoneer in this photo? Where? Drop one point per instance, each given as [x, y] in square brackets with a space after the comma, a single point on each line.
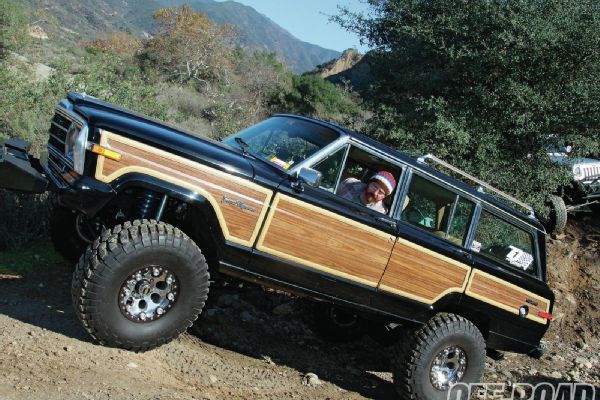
[152, 209]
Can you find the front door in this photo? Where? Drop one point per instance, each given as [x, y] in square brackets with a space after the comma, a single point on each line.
[321, 232]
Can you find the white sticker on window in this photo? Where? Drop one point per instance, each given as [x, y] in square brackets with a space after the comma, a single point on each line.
[476, 246]
[519, 258]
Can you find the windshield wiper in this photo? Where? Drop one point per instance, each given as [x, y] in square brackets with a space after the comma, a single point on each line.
[243, 145]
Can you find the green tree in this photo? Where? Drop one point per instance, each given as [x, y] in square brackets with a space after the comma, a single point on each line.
[486, 84]
[188, 46]
[314, 96]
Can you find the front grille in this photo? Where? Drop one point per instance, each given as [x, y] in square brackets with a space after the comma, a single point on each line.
[591, 172]
[59, 126]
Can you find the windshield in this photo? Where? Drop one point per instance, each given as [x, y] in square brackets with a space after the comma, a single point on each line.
[283, 141]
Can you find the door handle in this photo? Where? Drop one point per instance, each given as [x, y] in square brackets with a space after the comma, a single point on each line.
[386, 221]
[463, 253]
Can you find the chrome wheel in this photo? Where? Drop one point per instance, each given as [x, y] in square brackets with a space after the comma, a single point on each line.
[148, 294]
[448, 367]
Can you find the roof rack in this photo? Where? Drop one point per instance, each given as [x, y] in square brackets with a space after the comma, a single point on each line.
[482, 185]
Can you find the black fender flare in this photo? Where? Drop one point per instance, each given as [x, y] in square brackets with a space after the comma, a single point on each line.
[200, 203]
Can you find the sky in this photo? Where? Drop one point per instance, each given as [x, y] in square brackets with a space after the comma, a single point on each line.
[308, 20]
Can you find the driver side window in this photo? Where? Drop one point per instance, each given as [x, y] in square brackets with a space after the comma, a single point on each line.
[349, 170]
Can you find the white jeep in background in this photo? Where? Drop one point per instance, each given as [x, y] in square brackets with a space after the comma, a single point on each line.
[583, 194]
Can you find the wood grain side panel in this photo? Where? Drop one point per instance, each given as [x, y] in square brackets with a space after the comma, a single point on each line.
[422, 275]
[502, 294]
[326, 241]
[239, 224]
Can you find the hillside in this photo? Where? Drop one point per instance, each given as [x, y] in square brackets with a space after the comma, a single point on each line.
[350, 67]
[87, 18]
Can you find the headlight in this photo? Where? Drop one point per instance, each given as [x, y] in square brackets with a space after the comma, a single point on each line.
[75, 146]
[578, 173]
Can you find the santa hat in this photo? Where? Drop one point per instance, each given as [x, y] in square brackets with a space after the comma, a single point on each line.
[386, 179]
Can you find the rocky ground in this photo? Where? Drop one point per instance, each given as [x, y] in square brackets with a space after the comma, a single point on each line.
[257, 344]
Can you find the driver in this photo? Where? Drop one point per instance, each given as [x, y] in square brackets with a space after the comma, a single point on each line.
[370, 194]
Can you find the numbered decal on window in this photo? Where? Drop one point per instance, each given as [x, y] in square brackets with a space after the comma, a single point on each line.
[519, 258]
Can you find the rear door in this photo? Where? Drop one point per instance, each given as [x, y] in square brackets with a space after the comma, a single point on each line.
[429, 260]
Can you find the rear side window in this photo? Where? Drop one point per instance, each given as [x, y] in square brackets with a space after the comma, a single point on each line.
[436, 209]
[504, 242]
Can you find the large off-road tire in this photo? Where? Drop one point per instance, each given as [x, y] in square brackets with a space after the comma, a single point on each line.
[447, 342]
[557, 219]
[140, 285]
[63, 234]
[337, 324]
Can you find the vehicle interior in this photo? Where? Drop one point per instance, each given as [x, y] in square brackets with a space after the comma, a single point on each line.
[359, 164]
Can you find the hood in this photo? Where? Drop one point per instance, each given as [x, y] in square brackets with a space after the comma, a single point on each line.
[103, 115]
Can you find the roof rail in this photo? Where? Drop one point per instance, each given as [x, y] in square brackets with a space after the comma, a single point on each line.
[482, 185]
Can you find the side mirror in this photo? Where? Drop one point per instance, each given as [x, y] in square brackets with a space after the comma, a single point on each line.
[308, 176]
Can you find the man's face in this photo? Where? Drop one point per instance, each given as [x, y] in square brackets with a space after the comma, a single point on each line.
[375, 192]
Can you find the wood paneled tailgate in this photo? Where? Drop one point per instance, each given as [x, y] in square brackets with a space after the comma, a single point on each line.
[421, 274]
[239, 204]
[509, 297]
[300, 232]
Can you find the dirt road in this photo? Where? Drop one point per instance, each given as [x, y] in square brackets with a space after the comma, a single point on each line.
[256, 344]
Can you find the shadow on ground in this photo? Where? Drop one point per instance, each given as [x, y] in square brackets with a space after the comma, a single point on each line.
[246, 326]
[242, 320]
[42, 299]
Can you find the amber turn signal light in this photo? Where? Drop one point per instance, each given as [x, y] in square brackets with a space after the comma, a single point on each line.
[113, 155]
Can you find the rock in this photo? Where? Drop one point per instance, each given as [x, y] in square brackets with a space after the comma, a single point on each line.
[36, 31]
[283, 309]
[211, 312]
[268, 360]
[581, 345]
[520, 392]
[588, 365]
[227, 300]
[132, 365]
[558, 357]
[213, 379]
[580, 360]
[311, 379]
[507, 374]
[246, 316]
[556, 375]
[571, 299]
[67, 348]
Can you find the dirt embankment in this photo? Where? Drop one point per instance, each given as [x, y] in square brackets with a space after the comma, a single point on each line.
[256, 344]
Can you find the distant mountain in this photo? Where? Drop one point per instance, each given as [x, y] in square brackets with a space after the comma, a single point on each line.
[255, 30]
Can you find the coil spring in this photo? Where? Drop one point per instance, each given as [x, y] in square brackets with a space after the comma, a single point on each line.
[146, 207]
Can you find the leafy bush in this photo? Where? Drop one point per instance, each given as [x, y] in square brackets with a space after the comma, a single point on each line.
[13, 27]
[26, 107]
[314, 96]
